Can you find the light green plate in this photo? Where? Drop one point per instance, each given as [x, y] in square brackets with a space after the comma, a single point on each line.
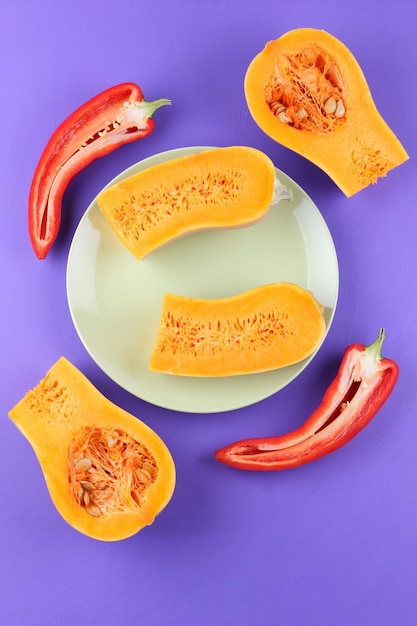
[115, 300]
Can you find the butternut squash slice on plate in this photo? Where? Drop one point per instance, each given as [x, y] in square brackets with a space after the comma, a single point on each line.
[262, 329]
[307, 91]
[107, 472]
[217, 188]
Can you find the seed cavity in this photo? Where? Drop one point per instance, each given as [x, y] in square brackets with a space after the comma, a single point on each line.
[109, 471]
[307, 91]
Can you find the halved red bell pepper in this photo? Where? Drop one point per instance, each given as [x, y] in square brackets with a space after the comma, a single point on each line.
[111, 119]
[364, 381]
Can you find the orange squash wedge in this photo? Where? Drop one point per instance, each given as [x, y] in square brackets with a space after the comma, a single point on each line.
[307, 91]
[263, 329]
[216, 188]
[107, 472]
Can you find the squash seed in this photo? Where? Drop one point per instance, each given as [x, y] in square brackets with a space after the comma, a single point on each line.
[143, 475]
[301, 114]
[80, 495]
[283, 117]
[277, 107]
[330, 105]
[148, 467]
[83, 465]
[85, 484]
[340, 109]
[78, 458]
[93, 509]
[111, 441]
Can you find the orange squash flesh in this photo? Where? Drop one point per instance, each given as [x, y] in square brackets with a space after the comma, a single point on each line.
[266, 328]
[216, 188]
[107, 472]
[307, 91]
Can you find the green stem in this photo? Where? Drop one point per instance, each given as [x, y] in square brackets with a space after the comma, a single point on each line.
[148, 108]
[374, 350]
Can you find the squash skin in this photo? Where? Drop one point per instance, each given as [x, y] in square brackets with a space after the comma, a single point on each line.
[52, 414]
[186, 194]
[358, 151]
[262, 329]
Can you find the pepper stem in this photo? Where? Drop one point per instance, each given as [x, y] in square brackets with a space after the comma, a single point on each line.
[374, 350]
[148, 108]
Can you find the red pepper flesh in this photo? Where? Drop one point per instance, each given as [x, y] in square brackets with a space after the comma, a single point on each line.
[111, 119]
[364, 381]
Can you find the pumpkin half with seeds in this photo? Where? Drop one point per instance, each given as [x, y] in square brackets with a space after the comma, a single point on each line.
[307, 91]
[215, 188]
[266, 328]
[107, 472]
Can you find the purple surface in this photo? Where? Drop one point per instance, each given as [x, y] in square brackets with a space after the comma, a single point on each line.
[330, 543]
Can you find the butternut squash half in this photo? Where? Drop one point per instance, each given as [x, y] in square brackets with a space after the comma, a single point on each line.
[107, 472]
[307, 91]
[216, 188]
[265, 328]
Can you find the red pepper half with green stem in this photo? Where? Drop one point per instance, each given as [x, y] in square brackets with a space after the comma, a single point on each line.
[111, 119]
[364, 381]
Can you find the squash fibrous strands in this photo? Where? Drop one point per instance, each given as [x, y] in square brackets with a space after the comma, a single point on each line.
[214, 188]
[265, 328]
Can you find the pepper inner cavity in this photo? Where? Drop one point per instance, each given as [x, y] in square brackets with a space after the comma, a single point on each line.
[102, 132]
[347, 399]
[307, 91]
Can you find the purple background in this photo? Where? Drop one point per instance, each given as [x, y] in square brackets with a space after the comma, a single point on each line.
[333, 542]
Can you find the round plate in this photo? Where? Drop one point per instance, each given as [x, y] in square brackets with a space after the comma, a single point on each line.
[115, 300]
